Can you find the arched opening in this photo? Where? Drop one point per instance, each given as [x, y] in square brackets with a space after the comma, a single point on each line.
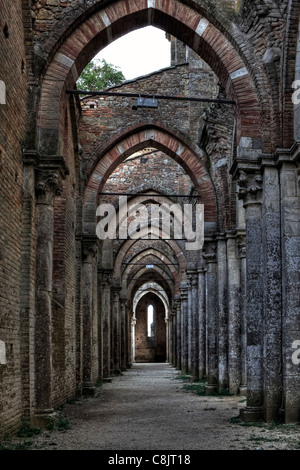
[150, 329]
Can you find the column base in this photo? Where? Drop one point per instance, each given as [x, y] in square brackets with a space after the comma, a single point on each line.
[211, 389]
[106, 380]
[45, 418]
[88, 390]
[117, 372]
[290, 415]
[252, 414]
[272, 414]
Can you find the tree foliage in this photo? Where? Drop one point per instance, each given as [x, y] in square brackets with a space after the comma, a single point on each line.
[98, 77]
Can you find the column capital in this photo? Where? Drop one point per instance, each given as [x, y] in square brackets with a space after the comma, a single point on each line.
[210, 252]
[89, 248]
[183, 291]
[250, 187]
[50, 173]
[48, 185]
[192, 279]
[106, 276]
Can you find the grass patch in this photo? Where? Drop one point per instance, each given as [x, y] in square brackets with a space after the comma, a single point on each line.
[182, 377]
[237, 420]
[198, 387]
[8, 445]
[63, 424]
[26, 430]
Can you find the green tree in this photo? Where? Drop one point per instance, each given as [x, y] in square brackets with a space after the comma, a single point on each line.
[98, 77]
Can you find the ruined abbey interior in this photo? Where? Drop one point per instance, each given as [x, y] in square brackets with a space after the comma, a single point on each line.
[77, 309]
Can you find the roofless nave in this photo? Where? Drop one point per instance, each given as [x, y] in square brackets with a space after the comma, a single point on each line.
[76, 309]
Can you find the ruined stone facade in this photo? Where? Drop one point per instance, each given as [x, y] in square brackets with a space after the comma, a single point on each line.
[71, 305]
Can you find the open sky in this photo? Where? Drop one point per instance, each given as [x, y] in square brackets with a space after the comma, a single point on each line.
[139, 52]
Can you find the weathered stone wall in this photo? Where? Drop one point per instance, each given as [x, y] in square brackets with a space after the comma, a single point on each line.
[12, 119]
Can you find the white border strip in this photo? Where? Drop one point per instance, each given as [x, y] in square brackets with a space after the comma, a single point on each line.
[203, 23]
[239, 73]
[2, 92]
[63, 59]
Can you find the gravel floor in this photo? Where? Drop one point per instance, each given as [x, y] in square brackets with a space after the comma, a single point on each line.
[149, 408]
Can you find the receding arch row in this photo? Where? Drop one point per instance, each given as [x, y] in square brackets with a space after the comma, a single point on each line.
[155, 256]
[128, 244]
[116, 19]
[191, 161]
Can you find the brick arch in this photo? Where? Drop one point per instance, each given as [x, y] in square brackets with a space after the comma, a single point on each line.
[105, 25]
[190, 160]
[292, 33]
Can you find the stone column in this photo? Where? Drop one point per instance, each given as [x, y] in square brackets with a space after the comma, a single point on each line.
[106, 317]
[271, 222]
[174, 337]
[290, 233]
[250, 192]
[202, 322]
[211, 318]
[89, 252]
[189, 326]
[184, 327]
[100, 325]
[124, 348]
[48, 185]
[243, 301]
[133, 323]
[116, 330]
[178, 332]
[194, 325]
[234, 315]
[222, 314]
[169, 337]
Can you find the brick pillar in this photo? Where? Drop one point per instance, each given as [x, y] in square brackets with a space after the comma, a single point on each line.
[184, 327]
[106, 322]
[234, 315]
[290, 236]
[211, 317]
[30, 160]
[89, 253]
[48, 185]
[250, 192]
[222, 314]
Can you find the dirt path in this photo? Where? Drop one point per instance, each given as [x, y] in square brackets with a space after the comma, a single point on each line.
[148, 408]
